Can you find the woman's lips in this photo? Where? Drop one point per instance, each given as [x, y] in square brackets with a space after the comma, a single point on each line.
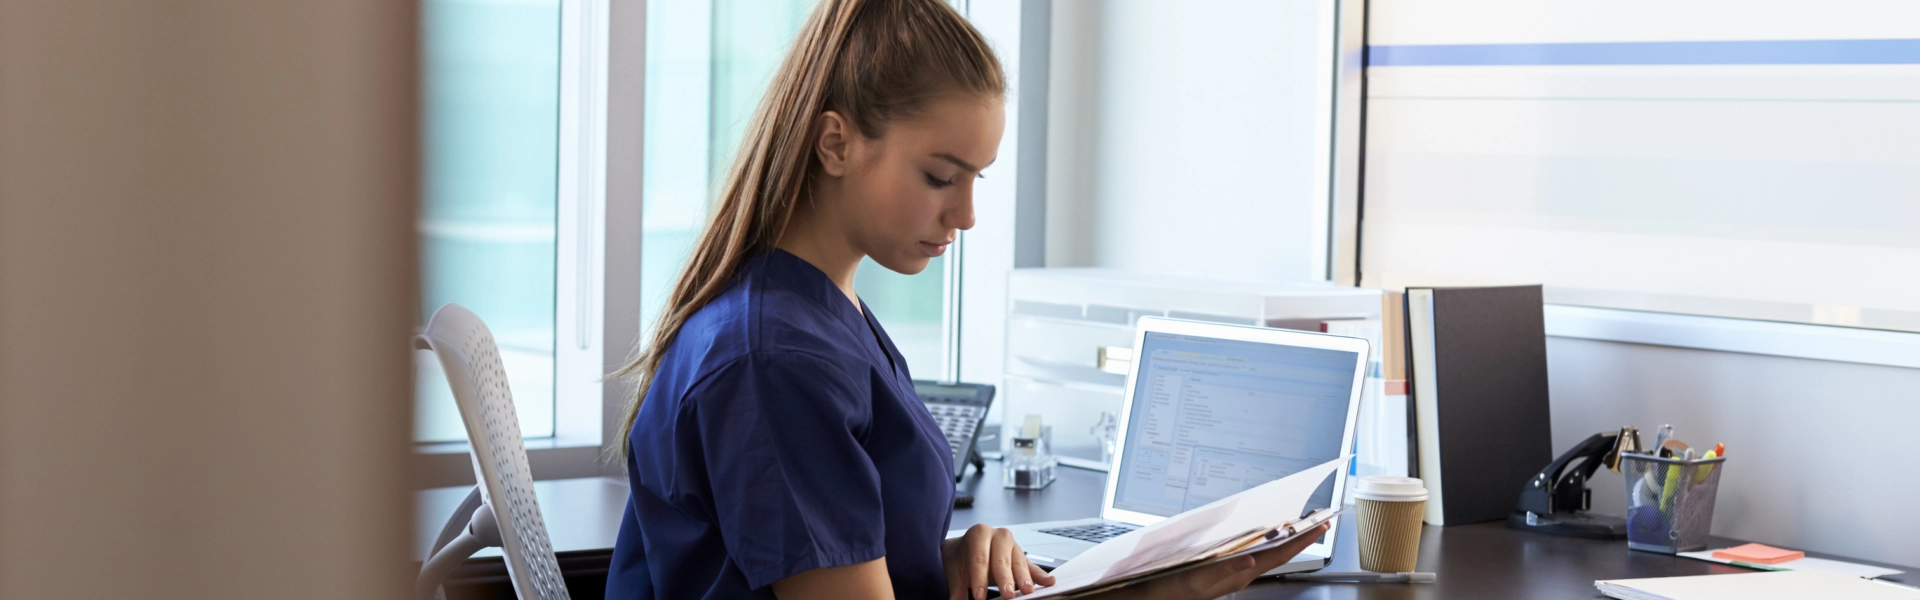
[933, 249]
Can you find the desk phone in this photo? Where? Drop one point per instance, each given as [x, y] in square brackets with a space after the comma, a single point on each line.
[960, 409]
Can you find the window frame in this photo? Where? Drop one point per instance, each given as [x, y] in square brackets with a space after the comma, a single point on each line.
[580, 309]
[596, 287]
[597, 314]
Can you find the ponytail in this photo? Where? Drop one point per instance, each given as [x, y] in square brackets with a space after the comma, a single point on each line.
[871, 61]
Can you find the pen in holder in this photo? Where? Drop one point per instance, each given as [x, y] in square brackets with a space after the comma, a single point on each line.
[1669, 501]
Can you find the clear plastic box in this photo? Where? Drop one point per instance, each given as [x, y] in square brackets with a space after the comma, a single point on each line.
[1059, 319]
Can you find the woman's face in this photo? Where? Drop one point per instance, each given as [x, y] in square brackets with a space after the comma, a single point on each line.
[904, 197]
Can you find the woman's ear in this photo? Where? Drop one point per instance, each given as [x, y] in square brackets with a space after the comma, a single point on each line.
[834, 144]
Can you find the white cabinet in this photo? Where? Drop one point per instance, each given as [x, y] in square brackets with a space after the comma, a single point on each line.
[1059, 319]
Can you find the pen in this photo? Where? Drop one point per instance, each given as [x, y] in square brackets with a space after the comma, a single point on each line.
[1362, 577]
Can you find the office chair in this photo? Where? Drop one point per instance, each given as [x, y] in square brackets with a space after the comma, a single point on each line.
[501, 510]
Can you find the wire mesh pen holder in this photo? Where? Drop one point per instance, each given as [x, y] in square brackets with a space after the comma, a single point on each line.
[1669, 502]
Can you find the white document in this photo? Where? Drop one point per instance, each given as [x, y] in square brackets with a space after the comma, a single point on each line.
[1775, 585]
[1193, 533]
[1809, 564]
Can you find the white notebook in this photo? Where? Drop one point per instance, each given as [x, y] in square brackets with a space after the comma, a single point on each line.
[1756, 586]
[1806, 564]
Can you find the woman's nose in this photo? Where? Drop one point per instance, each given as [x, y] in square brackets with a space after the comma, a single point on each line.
[960, 216]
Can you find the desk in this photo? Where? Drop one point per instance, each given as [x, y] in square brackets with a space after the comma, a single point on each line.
[1487, 560]
[583, 521]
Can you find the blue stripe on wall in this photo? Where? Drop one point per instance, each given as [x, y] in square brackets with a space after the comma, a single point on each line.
[1776, 52]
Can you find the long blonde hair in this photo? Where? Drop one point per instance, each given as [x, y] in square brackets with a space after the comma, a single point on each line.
[871, 61]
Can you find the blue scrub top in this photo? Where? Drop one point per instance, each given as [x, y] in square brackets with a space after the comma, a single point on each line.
[780, 435]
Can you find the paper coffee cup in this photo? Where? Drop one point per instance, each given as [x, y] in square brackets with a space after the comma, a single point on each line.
[1390, 510]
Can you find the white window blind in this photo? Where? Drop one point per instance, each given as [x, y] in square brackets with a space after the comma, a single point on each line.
[1753, 160]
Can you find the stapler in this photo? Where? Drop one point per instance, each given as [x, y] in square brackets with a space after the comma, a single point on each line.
[1556, 500]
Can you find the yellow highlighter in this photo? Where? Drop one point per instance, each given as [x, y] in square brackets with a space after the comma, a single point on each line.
[1700, 474]
[1666, 490]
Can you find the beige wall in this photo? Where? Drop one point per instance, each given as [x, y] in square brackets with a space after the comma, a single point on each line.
[207, 276]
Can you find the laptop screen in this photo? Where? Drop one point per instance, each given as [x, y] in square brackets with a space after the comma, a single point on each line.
[1211, 417]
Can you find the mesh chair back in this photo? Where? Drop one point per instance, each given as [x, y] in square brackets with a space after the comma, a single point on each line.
[472, 362]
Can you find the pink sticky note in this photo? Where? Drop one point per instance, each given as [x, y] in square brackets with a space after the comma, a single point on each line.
[1759, 554]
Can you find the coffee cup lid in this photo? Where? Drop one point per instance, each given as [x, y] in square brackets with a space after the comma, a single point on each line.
[1391, 489]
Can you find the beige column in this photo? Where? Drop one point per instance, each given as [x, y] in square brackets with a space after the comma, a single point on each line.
[207, 283]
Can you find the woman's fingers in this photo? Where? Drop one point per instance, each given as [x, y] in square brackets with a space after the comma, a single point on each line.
[1040, 576]
[1003, 550]
[1022, 578]
[955, 590]
[956, 575]
[1028, 574]
[1247, 568]
[956, 580]
[1228, 576]
[990, 556]
[1031, 577]
[1270, 559]
[1211, 581]
[1240, 572]
[979, 560]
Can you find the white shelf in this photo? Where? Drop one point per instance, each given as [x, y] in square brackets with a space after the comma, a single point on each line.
[1795, 340]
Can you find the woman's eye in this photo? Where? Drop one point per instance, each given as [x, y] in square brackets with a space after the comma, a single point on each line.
[938, 183]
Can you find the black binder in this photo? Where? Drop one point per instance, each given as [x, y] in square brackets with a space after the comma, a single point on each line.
[1477, 359]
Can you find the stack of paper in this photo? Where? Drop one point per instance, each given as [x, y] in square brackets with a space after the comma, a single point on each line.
[1257, 519]
[1806, 564]
[1780, 585]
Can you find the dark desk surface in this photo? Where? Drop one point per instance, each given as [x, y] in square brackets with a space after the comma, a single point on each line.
[1472, 561]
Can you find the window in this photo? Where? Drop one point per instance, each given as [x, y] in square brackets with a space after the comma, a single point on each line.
[513, 225]
[489, 224]
[708, 64]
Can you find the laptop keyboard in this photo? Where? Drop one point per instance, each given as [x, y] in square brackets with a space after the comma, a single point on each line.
[1096, 533]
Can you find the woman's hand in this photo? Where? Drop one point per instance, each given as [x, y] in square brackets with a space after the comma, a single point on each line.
[1218, 579]
[988, 556]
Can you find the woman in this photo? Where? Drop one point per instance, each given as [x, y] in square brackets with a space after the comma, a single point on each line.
[775, 446]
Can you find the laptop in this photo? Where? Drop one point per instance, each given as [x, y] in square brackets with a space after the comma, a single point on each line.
[1211, 410]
